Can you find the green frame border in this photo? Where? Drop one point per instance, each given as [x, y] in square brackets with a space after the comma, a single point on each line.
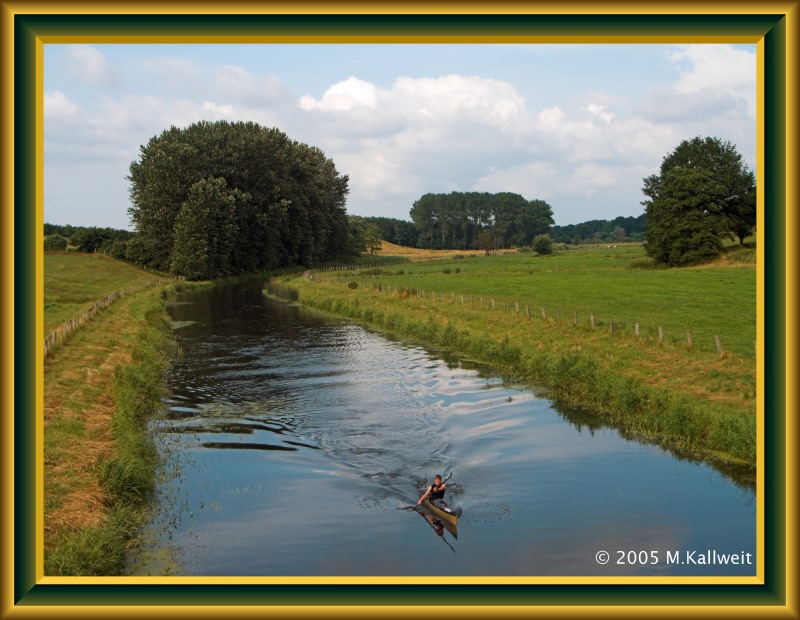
[19, 516]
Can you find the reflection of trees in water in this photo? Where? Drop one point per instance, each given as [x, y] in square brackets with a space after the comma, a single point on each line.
[742, 475]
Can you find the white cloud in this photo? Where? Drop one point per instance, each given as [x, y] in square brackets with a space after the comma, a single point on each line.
[669, 106]
[589, 177]
[551, 118]
[168, 77]
[469, 133]
[343, 96]
[600, 111]
[713, 80]
[454, 98]
[424, 102]
[90, 66]
[405, 136]
[531, 179]
[238, 85]
[716, 66]
[57, 106]
[218, 112]
[418, 135]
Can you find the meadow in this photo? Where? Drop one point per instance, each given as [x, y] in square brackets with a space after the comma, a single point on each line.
[611, 283]
[518, 313]
[100, 386]
[568, 322]
[73, 282]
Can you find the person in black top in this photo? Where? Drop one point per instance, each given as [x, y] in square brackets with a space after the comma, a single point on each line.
[434, 491]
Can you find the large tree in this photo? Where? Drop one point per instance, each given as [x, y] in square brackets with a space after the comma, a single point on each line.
[280, 202]
[723, 203]
[207, 230]
[685, 223]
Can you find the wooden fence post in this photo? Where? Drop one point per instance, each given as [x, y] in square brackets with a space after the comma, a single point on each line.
[719, 344]
[660, 333]
[591, 320]
[689, 338]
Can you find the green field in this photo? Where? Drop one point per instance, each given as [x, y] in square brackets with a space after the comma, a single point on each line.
[99, 389]
[73, 282]
[706, 301]
[692, 397]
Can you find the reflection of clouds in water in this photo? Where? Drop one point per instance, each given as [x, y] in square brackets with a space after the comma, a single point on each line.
[492, 427]
[371, 421]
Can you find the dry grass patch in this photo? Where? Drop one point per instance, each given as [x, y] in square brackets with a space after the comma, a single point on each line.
[390, 249]
[78, 407]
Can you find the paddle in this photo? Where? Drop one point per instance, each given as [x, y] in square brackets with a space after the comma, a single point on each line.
[440, 534]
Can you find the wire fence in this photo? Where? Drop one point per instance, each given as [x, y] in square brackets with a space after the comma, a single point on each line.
[689, 338]
[60, 334]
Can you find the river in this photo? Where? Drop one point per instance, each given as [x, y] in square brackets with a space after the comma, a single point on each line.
[295, 444]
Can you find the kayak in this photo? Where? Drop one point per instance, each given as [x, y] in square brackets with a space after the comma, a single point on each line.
[442, 511]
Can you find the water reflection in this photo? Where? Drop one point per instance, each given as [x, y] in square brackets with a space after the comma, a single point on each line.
[297, 443]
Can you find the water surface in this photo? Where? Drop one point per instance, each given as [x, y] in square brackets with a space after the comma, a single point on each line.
[295, 444]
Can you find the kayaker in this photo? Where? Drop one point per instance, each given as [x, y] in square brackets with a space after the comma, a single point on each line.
[434, 491]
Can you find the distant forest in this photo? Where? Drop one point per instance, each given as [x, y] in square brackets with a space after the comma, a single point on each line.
[405, 233]
[111, 241]
[114, 242]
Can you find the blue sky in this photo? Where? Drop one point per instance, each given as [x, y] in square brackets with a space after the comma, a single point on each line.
[576, 125]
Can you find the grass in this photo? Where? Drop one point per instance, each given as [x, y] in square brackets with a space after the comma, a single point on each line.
[694, 399]
[390, 250]
[708, 302]
[99, 388]
[74, 281]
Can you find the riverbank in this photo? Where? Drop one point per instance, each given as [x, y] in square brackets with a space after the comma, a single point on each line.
[100, 386]
[699, 404]
[276, 411]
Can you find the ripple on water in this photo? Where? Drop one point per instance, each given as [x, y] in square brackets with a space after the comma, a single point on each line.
[339, 428]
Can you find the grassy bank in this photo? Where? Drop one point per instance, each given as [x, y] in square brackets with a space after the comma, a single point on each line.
[99, 388]
[692, 399]
[74, 281]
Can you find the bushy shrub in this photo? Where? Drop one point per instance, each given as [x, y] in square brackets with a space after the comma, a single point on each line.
[55, 242]
[542, 244]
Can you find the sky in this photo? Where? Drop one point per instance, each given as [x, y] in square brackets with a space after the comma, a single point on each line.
[576, 125]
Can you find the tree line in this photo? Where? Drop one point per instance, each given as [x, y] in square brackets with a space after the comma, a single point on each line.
[461, 220]
[619, 229]
[702, 195]
[111, 241]
[405, 233]
[218, 199]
